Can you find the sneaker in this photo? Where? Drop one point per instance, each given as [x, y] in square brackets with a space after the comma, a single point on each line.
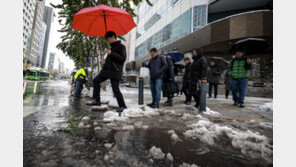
[241, 106]
[235, 103]
[94, 103]
[120, 109]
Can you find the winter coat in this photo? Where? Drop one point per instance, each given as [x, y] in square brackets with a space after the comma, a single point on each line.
[227, 80]
[214, 74]
[157, 67]
[169, 72]
[186, 75]
[198, 71]
[239, 68]
[114, 61]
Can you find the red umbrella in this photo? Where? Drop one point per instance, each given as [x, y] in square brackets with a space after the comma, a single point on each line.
[96, 21]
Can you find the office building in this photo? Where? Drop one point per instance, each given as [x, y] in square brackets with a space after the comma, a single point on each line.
[51, 61]
[41, 44]
[213, 25]
[28, 18]
[47, 19]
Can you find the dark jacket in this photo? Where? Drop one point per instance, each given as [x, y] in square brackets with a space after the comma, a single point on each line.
[214, 74]
[186, 75]
[169, 72]
[157, 67]
[198, 71]
[227, 80]
[114, 61]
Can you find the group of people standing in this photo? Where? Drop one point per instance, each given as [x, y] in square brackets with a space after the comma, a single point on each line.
[162, 76]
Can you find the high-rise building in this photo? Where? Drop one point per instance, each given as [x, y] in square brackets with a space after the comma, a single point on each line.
[213, 25]
[41, 44]
[28, 18]
[48, 19]
[51, 61]
[34, 41]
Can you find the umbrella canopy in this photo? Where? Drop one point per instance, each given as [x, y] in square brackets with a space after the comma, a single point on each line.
[220, 62]
[96, 21]
[176, 56]
[250, 45]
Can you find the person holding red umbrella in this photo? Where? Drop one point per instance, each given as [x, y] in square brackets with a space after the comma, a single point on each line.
[107, 21]
[112, 70]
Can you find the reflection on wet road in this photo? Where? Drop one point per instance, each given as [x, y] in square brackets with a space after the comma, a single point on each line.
[61, 131]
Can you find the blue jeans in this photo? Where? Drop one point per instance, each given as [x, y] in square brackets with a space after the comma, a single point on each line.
[156, 86]
[239, 86]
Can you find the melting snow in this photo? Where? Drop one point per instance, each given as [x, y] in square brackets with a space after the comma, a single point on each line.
[268, 107]
[156, 153]
[251, 144]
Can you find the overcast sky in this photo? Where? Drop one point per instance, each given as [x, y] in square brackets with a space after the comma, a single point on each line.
[55, 38]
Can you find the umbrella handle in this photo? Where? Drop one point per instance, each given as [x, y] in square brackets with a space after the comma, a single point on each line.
[105, 21]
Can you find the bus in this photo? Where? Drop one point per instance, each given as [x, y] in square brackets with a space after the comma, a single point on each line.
[35, 73]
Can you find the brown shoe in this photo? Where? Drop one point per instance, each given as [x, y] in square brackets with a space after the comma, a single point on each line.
[168, 104]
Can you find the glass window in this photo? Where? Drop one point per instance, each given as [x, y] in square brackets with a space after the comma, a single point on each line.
[199, 17]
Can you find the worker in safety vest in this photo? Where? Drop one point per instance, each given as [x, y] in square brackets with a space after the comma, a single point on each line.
[80, 79]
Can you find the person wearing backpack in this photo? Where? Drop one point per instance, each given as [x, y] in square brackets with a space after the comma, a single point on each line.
[239, 68]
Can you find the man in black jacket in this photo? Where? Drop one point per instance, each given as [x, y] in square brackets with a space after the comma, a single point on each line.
[185, 80]
[213, 78]
[157, 66]
[112, 70]
[198, 73]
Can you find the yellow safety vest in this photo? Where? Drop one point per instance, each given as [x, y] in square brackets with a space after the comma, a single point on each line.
[81, 73]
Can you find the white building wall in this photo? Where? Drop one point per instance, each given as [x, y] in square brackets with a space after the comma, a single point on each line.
[174, 12]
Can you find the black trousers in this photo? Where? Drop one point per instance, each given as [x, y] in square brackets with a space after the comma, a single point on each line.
[226, 93]
[115, 87]
[197, 98]
[215, 89]
[78, 88]
[187, 95]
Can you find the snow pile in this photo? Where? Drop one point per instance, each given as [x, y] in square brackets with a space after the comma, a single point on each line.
[110, 116]
[169, 157]
[156, 153]
[210, 112]
[124, 91]
[268, 107]
[251, 144]
[139, 111]
[187, 165]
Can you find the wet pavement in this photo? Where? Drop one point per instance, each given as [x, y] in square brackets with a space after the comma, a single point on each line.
[224, 136]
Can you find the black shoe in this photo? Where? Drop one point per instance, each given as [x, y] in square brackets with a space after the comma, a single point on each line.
[241, 106]
[235, 103]
[120, 109]
[155, 106]
[209, 97]
[94, 103]
[150, 105]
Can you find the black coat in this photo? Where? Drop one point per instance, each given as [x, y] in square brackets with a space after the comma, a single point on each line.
[157, 67]
[198, 72]
[227, 80]
[114, 61]
[214, 75]
[186, 75]
[169, 72]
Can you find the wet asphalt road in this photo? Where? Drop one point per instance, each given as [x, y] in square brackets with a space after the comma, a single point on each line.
[51, 136]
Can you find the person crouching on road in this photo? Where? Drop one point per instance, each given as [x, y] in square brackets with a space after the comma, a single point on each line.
[239, 67]
[112, 69]
[169, 80]
[157, 66]
[185, 85]
[198, 72]
[213, 78]
[80, 79]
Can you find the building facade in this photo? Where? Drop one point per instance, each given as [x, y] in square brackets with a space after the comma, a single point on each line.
[28, 18]
[51, 61]
[41, 44]
[34, 41]
[47, 19]
[213, 25]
